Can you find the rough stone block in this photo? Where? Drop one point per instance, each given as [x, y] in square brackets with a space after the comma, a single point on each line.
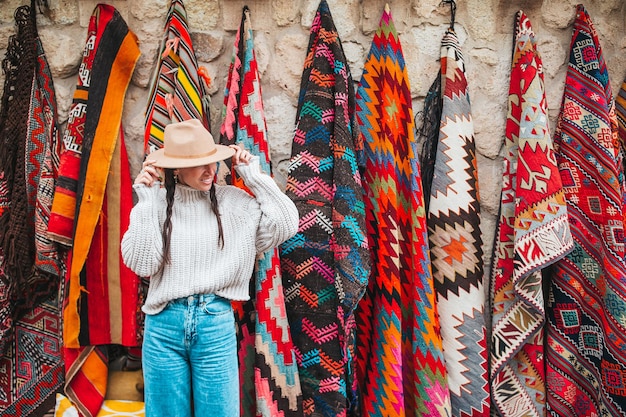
[481, 19]
[63, 52]
[7, 11]
[286, 12]
[285, 70]
[207, 46]
[203, 14]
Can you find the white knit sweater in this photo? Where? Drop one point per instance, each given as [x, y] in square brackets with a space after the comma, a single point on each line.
[198, 264]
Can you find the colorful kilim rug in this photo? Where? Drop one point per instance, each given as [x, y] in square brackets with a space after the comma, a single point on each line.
[326, 264]
[178, 89]
[31, 265]
[400, 364]
[533, 232]
[586, 343]
[269, 380]
[456, 243]
[31, 371]
[43, 152]
[94, 198]
[31, 366]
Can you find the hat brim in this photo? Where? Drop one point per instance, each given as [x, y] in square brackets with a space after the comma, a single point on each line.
[165, 161]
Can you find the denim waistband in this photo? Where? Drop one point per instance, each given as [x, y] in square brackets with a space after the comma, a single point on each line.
[195, 299]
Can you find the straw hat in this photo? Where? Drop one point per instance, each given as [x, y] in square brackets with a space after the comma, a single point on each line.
[188, 144]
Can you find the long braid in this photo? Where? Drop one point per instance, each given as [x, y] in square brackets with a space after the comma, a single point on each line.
[170, 187]
[216, 210]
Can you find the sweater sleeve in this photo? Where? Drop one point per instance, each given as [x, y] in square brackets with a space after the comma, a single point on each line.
[142, 244]
[279, 215]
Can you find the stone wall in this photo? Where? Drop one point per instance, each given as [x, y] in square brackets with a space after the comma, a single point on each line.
[281, 29]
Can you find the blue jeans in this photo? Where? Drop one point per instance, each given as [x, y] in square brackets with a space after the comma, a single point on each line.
[189, 359]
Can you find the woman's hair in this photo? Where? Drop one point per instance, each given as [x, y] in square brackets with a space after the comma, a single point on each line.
[170, 187]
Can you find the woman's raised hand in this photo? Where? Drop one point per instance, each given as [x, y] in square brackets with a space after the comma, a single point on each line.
[241, 155]
[148, 174]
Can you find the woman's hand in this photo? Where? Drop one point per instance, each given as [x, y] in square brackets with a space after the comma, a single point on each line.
[148, 174]
[241, 155]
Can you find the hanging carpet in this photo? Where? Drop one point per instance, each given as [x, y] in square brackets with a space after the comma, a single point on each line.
[326, 264]
[455, 240]
[586, 347]
[31, 366]
[29, 159]
[90, 212]
[400, 364]
[532, 233]
[31, 370]
[178, 90]
[269, 380]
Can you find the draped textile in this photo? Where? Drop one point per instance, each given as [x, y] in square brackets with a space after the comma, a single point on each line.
[178, 90]
[94, 198]
[31, 366]
[326, 264]
[29, 158]
[268, 371]
[427, 134]
[31, 370]
[455, 240]
[400, 364]
[532, 233]
[586, 347]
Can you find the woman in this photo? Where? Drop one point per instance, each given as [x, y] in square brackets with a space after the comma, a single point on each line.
[197, 241]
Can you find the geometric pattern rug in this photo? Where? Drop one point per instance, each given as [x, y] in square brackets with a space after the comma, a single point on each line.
[455, 240]
[268, 369]
[533, 233]
[31, 372]
[400, 365]
[586, 347]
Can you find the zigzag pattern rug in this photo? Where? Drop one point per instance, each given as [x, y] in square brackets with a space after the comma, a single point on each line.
[533, 233]
[326, 264]
[455, 241]
[400, 364]
[268, 371]
[586, 347]
[178, 90]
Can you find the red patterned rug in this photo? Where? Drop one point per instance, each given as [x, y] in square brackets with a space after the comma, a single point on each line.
[31, 372]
